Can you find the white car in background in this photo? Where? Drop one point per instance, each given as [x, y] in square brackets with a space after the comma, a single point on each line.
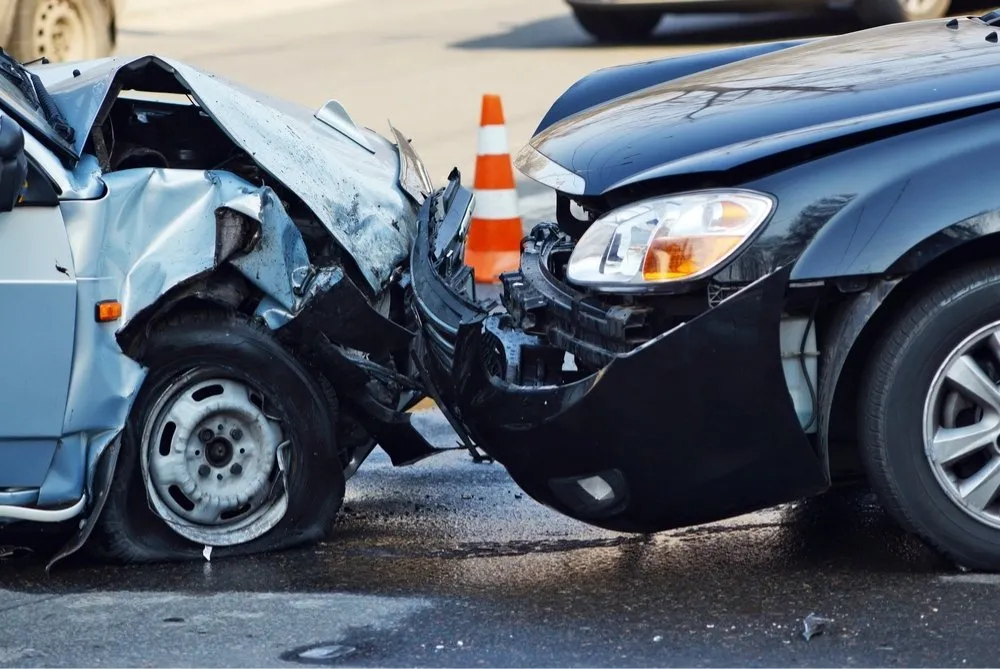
[620, 21]
[59, 30]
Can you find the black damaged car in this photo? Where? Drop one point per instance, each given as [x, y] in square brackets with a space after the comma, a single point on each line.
[772, 268]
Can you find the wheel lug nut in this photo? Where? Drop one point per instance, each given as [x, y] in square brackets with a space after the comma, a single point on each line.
[236, 433]
[206, 435]
[204, 471]
[236, 469]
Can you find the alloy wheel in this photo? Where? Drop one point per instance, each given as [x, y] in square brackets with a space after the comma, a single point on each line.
[962, 425]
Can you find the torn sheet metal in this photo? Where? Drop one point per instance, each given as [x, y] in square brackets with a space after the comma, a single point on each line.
[354, 192]
[152, 231]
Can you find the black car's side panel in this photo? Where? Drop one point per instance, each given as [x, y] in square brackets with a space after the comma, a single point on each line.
[892, 205]
[612, 82]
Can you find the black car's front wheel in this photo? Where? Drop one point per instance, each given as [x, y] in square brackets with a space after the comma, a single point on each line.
[230, 444]
[930, 416]
[617, 25]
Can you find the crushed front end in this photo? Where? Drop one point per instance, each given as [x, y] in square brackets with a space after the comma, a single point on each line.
[632, 412]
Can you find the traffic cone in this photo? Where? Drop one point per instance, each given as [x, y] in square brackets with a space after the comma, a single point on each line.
[495, 232]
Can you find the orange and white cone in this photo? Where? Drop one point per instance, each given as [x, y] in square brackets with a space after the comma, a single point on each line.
[494, 244]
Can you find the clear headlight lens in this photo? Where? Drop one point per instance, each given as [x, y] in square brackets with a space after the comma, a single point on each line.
[666, 239]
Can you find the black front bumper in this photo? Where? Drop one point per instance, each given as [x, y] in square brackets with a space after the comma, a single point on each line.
[694, 425]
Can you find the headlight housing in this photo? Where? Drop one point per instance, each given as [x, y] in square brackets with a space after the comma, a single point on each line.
[667, 239]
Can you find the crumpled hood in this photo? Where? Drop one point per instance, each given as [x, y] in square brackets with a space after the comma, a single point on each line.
[715, 119]
[352, 189]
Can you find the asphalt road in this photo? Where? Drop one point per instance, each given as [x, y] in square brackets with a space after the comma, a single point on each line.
[445, 563]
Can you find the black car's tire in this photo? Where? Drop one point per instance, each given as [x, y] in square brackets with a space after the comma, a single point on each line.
[617, 26]
[873, 13]
[61, 30]
[905, 373]
[239, 368]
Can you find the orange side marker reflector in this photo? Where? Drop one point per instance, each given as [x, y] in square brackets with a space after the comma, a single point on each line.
[107, 311]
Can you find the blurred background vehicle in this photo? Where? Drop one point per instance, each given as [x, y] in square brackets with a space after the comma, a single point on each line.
[59, 30]
[635, 20]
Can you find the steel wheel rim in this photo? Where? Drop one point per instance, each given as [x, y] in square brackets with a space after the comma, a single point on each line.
[60, 32]
[962, 425]
[213, 460]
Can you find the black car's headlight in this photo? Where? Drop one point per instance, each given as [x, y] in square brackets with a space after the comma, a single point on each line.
[666, 239]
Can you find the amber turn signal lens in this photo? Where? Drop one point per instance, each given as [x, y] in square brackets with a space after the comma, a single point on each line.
[685, 256]
[108, 310]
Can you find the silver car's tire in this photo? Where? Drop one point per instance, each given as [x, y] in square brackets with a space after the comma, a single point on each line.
[61, 30]
[930, 416]
[230, 444]
[881, 12]
[617, 26]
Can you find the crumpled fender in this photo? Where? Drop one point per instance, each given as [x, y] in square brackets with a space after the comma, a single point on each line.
[153, 231]
[351, 188]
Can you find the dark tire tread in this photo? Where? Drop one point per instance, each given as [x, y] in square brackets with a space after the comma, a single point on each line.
[618, 26]
[887, 354]
[114, 539]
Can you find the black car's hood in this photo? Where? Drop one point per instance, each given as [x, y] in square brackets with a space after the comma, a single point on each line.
[722, 117]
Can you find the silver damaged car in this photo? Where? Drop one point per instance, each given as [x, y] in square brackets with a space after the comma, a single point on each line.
[204, 332]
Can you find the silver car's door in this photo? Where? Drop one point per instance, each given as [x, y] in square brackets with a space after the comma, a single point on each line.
[37, 318]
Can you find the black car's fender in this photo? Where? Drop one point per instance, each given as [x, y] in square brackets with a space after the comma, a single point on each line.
[890, 206]
[880, 220]
[612, 82]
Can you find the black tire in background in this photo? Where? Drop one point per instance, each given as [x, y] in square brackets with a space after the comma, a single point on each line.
[903, 370]
[225, 345]
[61, 30]
[617, 25]
[873, 13]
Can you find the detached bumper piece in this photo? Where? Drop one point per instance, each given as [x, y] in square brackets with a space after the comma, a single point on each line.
[691, 426]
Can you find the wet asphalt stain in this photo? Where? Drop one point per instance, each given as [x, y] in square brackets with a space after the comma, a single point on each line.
[510, 583]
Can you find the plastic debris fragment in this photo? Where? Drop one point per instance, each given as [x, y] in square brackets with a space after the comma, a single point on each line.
[814, 625]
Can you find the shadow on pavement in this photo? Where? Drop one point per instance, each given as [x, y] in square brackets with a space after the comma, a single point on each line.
[389, 544]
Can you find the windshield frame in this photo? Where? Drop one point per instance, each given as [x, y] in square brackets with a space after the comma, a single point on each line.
[29, 113]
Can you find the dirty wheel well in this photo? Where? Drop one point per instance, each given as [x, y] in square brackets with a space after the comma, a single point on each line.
[227, 291]
[843, 431]
[224, 290]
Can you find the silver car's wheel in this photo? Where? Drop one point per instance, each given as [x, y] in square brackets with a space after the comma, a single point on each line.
[212, 460]
[962, 425]
[230, 443]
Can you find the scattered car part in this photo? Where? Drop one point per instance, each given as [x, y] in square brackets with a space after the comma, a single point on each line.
[813, 625]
